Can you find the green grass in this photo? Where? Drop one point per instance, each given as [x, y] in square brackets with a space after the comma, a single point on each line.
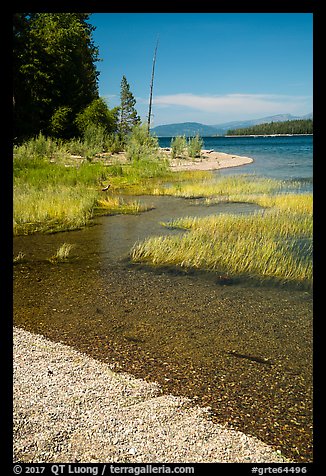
[114, 205]
[273, 244]
[226, 188]
[38, 173]
[51, 197]
[52, 208]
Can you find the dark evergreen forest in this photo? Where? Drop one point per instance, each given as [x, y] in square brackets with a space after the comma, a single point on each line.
[299, 126]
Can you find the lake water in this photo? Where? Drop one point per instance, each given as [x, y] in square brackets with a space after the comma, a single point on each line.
[281, 157]
[243, 350]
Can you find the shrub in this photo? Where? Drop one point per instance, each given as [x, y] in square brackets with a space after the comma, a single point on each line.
[141, 145]
[178, 146]
[194, 146]
[94, 141]
[37, 148]
[114, 143]
[95, 137]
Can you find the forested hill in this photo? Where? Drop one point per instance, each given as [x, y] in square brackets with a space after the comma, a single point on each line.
[299, 126]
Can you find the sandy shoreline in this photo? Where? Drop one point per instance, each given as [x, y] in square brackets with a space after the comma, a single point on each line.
[209, 160]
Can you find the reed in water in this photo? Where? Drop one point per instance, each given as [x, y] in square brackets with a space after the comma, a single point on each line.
[275, 243]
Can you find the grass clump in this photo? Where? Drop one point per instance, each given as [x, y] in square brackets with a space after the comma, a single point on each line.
[224, 188]
[273, 244]
[19, 258]
[62, 253]
[52, 209]
[117, 205]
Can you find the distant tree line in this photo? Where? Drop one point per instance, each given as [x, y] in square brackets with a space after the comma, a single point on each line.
[299, 126]
[55, 80]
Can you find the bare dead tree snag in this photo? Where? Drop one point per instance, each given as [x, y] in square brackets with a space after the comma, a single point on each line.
[151, 89]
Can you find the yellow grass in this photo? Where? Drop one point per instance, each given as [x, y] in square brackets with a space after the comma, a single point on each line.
[62, 253]
[275, 243]
[223, 187]
[114, 205]
[52, 209]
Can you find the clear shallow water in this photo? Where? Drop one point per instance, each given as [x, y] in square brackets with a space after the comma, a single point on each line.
[195, 337]
[243, 350]
[112, 237]
[285, 158]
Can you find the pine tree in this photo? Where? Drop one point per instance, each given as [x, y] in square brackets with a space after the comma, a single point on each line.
[128, 114]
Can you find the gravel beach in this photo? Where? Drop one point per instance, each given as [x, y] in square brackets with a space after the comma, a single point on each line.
[69, 407]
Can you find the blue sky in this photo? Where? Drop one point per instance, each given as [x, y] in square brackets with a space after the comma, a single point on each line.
[210, 67]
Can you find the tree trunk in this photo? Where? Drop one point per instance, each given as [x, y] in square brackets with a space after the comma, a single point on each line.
[151, 90]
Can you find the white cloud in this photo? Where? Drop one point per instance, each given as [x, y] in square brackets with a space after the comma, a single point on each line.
[237, 105]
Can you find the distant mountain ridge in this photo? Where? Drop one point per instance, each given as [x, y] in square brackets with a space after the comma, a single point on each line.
[185, 128]
[193, 128]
